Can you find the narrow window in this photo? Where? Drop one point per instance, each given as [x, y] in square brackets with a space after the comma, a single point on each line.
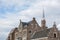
[54, 35]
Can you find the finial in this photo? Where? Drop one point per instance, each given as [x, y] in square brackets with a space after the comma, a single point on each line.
[34, 18]
[54, 25]
[20, 21]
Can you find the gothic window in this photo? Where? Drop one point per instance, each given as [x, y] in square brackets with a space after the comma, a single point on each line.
[54, 35]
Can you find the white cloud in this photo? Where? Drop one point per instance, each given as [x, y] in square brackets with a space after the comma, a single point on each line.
[35, 9]
[47, 3]
[58, 26]
[3, 35]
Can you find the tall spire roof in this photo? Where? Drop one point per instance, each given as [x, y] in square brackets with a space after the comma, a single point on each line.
[43, 13]
[43, 21]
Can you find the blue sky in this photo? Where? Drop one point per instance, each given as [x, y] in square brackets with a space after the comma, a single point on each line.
[11, 11]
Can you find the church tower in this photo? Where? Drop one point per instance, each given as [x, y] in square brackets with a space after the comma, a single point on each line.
[43, 21]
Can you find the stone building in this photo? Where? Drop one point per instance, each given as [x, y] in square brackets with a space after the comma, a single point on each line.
[32, 31]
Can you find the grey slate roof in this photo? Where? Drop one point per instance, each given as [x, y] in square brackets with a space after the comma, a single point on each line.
[24, 23]
[40, 34]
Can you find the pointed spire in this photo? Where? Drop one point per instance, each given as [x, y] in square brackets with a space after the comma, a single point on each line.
[20, 26]
[20, 22]
[43, 13]
[43, 21]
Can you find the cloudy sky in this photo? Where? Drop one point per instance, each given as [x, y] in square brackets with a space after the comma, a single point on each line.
[11, 11]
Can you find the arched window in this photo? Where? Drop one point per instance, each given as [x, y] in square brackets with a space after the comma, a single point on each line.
[54, 35]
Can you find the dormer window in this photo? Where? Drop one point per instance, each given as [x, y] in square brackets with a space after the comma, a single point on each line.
[54, 35]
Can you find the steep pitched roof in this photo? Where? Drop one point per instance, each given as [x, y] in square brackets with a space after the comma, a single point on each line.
[24, 23]
[27, 23]
[40, 34]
